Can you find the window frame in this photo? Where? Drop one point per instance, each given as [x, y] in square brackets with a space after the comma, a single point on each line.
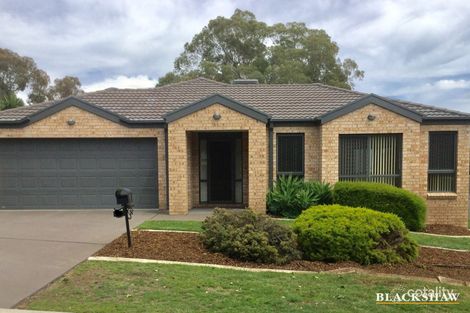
[282, 173]
[366, 178]
[443, 171]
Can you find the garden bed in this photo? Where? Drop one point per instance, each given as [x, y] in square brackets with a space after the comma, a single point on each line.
[186, 247]
[447, 230]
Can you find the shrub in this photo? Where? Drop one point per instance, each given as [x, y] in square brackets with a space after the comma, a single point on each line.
[290, 195]
[340, 233]
[384, 198]
[323, 191]
[247, 236]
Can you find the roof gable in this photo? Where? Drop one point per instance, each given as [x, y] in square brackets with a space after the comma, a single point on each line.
[219, 99]
[72, 101]
[371, 99]
[79, 103]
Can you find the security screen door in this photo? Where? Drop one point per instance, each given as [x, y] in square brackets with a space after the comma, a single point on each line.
[220, 168]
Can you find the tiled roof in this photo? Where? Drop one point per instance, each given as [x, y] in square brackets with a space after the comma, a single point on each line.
[280, 102]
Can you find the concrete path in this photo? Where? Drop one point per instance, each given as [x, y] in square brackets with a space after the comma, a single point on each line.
[38, 246]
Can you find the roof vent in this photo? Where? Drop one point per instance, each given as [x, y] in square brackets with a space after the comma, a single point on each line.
[245, 82]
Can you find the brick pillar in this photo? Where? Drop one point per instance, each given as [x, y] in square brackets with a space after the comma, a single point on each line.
[178, 171]
[257, 169]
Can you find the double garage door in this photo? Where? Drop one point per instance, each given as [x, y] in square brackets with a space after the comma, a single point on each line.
[76, 173]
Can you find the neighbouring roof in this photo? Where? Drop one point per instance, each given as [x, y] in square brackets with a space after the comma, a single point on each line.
[288, 102]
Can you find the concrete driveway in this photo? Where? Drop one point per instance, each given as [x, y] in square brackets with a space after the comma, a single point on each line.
[38, 246]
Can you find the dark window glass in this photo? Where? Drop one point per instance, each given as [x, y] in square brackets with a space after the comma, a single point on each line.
[375, 158]
[442, 161]
[290, 154]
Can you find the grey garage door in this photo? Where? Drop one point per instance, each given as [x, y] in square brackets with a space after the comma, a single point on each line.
[76, 173]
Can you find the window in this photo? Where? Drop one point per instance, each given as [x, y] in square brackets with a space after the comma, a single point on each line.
[374, 158]
[442, 161]
[290, 154]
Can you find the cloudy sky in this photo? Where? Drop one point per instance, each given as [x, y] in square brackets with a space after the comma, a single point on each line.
[414, 50]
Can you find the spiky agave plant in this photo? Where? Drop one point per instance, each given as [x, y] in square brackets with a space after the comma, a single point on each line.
[10, 101]
[290, 195]
[323, 191]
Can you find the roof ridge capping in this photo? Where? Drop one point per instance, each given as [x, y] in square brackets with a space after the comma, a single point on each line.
[190, 82]
[219, 99]
[325, 86]
[371, 99]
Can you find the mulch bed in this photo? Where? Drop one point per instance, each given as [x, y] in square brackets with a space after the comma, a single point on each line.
[447, 230]
[186, 247]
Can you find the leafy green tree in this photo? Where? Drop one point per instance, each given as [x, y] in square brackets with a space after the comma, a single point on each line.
[10, 101]
[243, 47]
[64, 87]
[18, 73]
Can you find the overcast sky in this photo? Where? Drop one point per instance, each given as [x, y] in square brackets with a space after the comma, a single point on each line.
[413, 50]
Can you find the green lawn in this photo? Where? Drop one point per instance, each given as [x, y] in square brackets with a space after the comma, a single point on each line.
[422, 239]
[95, 286]
[441, 241]
[185, 225]
[171, 225]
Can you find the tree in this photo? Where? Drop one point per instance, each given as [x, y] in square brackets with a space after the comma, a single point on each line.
[18, 73]
[243, 47]
[64, 87]
[10, 101]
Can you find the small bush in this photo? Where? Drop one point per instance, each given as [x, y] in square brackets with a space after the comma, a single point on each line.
[384, 198]
[290, 195]
[323, 191]
[247, 236]
[340, 233]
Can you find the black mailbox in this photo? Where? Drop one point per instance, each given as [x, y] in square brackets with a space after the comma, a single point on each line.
[124, 197]
[118, 213]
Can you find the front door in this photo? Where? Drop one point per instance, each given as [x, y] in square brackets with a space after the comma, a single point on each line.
[220, 168]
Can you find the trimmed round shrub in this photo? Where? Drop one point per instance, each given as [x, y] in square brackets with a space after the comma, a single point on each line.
[335, 233]
[410, 207]
[247, 236]
[290, 195]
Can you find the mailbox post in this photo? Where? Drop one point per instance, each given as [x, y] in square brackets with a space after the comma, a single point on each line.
[124, 198]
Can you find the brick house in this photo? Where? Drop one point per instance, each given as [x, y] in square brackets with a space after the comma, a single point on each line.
[202, 143]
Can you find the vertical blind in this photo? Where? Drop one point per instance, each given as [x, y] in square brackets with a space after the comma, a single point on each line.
[290, 154]
[442, 161]
[375, 158]
[238, 171]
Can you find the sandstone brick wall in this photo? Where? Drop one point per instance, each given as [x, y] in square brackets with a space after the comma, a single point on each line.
[449, 208]
[442, 208]
[181, 185]
[312, 150]
[321, 152]
[89, 125]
